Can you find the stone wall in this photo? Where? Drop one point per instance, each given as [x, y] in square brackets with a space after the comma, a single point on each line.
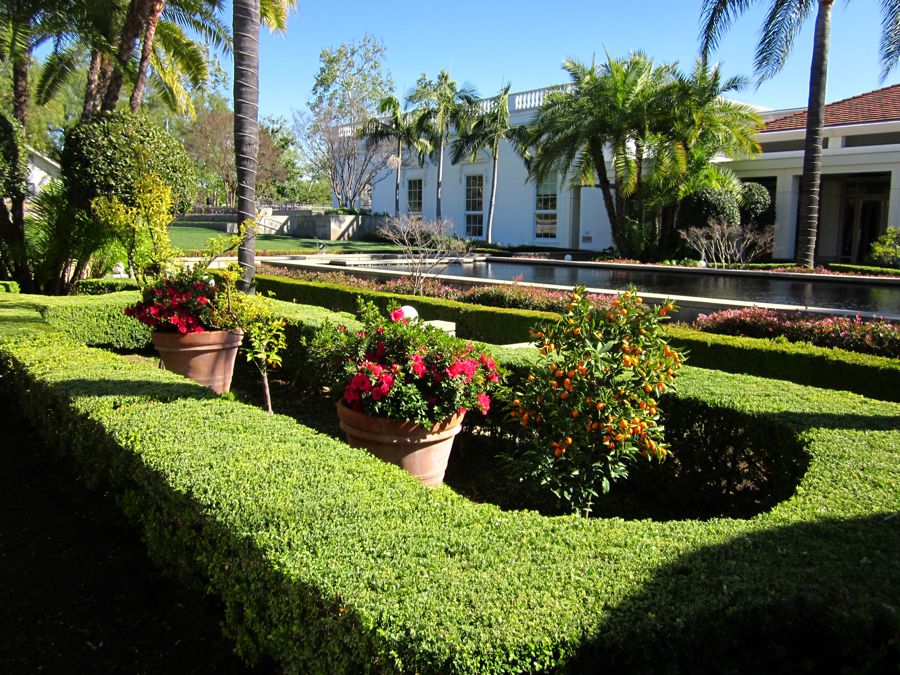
[295, 223]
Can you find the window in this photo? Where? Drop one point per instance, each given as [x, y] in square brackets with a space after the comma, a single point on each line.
[545, 209]
[475, 206]
[414, 197]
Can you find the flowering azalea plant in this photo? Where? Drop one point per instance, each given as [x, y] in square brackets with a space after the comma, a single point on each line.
[183, 302]
[404, 369]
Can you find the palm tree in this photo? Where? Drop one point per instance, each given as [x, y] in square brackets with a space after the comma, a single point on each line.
[488, 128]
[185, 57]
[704, 125]
[401, 127]
[442, 105]
[24, 26]
[783, 21]
[620, 105]
[246, 18]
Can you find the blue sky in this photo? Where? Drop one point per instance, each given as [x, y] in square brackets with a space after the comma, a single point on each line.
[487, 43]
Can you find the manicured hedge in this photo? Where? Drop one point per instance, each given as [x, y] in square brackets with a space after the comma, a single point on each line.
[495, 325]
[331, 561]
[103, 286]
[9, 287]
[864, 269]
[872, 376]
[830, 368]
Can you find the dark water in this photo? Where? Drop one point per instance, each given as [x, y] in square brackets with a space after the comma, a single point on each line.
[872, 297]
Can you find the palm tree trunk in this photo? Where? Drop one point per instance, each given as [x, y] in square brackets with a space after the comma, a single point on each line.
[93, 81]
[397, 183]
[134, 20]
[20, 88]
[245, 20]
[606, 189]
[16, 235]
[495, 152]
[93, 100]
[440, 178]
[137, 94]
[810, 181]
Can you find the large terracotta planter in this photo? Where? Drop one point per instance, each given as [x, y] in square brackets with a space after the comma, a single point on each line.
[207, 357]
[422, 452]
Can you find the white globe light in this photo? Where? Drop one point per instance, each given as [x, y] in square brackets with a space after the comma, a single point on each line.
[409, 312]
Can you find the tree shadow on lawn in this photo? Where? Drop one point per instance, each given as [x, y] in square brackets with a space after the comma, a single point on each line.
[80, 594]
[809, 597]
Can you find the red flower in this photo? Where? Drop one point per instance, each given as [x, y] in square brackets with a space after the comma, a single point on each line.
[398, 315]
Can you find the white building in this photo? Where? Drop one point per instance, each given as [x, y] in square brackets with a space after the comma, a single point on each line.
[41, 170]
[860, 189]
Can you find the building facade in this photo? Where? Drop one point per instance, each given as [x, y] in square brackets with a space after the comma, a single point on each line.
[860, 194]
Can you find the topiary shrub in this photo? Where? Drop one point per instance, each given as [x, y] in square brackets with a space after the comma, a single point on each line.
[705, 204]
[755, 204]
[107, 154]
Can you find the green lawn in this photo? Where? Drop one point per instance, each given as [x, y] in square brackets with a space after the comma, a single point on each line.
[193, 238]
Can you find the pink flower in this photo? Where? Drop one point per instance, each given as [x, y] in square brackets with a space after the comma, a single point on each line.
[418, 365]
[484, 402]
[398, 315]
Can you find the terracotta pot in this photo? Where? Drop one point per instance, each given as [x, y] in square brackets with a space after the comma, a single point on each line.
[421, 451]
[207, 357]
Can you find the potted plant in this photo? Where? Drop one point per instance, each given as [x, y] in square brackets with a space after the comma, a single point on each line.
[404, 387]
[196, 326]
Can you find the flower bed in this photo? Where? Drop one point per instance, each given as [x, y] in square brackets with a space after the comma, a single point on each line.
[331, 561]
[878, 337]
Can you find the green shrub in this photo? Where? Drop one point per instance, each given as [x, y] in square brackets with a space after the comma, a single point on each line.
[91, 320]
[104, 286]
[332, 561]
[755, 204]
[863, 269]
[698, 208]
[886, 249]
[872, 376]
[9, 287]
[106, 155]
[62, 239]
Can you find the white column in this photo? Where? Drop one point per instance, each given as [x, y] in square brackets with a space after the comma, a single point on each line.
[894, 199]
[786, 198]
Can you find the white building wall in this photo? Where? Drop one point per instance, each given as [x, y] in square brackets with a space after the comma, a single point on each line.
[514, 215]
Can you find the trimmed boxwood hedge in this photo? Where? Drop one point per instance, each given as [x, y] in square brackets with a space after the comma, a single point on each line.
[871, 376]
[103, 286]
[9, 287]
[866, 374]
[496, 325]
[864, 269]
[332, 561]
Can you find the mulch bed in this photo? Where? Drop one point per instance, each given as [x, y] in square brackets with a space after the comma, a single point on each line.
[79, 594]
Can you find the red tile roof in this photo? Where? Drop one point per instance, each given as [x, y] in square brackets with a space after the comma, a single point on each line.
[874, 106]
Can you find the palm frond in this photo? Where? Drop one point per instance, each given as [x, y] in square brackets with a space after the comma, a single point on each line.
[201, 17]
[779, 29]
[56, 70]
[166, 78]
[182, 53]
[716, 18]
[889, 48]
